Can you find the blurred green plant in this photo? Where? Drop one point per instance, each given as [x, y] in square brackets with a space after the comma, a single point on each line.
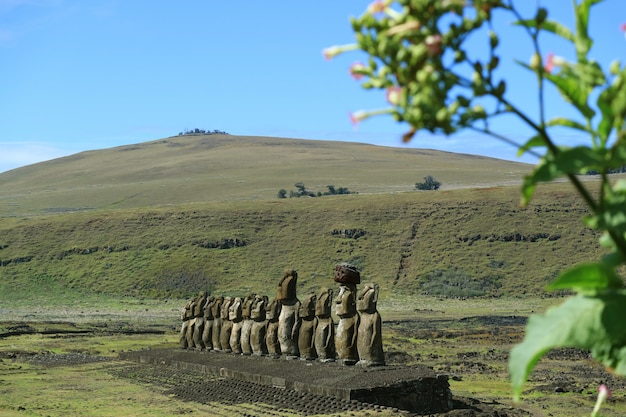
[418, 54]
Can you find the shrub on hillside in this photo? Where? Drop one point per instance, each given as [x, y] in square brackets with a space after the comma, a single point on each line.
[456, 283]
[429, 183]
[301, 191]
[197, 131]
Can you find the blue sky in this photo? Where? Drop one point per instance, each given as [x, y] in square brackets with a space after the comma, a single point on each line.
[79, 75]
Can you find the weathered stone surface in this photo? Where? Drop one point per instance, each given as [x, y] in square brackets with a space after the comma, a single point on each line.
[289, 318]
[325, 330]
[346, 334]
[234, 315]
[227, 325]
[369, 335]
[246, 327]
[207, 333]
[216, 312]
[306, 334]
[347, 274]
[272, 313]
[417, 389]
[259, 326]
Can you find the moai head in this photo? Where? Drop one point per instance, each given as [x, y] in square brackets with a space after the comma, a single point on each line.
[367, 298]
[287, 285]
[208, 306]
[259, 304]
[225, 308]
[216, 306]
[272, 310]
[246, 305]
[234, 311]
[307, 308]
[323, 305]
[198, 306]
[347, 274]
[345, 304]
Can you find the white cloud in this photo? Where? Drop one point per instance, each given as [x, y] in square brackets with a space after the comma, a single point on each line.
[14, 154]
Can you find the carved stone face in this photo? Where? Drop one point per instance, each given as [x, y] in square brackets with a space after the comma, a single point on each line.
[257, 311]
[287, 286]
[367, 298]
[216, 307]
[324, 303]
[344, 302]
[198, 306]
[234, 311]
[246, 306]
[208, 306]
[272, 310]
[307, 308]
[225, 307]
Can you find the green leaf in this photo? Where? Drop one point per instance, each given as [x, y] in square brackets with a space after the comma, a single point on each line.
[606, 123]
[572, 91]
[528, 190]
[589, 72]
[613, 215]
[534, 142]
[549, 25]
[589, 276]
[576, 160]
[562, 121]
[582, 41]
[590, 323]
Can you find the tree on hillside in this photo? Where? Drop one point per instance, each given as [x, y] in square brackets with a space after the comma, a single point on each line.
[429, 183]
[197, 131]
[301, 191]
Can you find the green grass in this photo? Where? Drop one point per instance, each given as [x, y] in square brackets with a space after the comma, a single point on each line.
[182, 170]
[412, 240]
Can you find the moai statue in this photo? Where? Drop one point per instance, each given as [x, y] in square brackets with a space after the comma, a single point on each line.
[198, 326]
[306, 335]
[207, 334]
[259, 325]
[369, 340]
[345, 307]
[325, 330]
[216, 312]
[227, 325]
[192, 324]
[234, 314]
[246, 327]
[272, 312]
[186, 316]
[288, 320]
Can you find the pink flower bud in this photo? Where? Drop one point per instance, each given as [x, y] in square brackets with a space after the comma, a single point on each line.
[356, 70]
[553, 61]
[357, 117]
[377, 6]
[604, 391]
[394, 95]
[333, 51]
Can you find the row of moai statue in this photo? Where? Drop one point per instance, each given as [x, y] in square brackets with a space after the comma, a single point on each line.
[288, 327]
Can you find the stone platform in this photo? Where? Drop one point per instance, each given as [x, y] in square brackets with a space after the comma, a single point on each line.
[417, 389]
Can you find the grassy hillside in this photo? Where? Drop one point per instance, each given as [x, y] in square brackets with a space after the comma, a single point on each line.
[193, 169]
[170, 217]
[456, 243]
